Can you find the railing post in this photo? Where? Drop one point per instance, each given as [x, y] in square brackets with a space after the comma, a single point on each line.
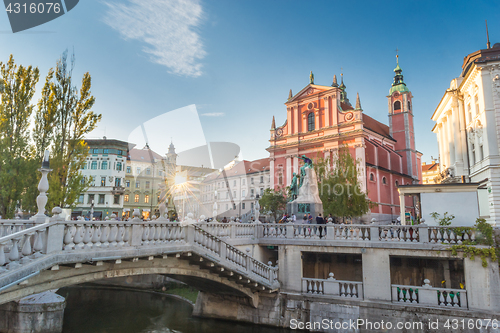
[223, 250]
[190, 230]
[232, 230]
[427, 295]
[330, 231]
[423, 233]
[289, 230]
[374, 232]
[137, 229]
[331, 286]
[55, 234]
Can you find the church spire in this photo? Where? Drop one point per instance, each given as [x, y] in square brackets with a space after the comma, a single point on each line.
[335, 84]
[358, 102]
[273, 124]
[398, 84]
[290, 95]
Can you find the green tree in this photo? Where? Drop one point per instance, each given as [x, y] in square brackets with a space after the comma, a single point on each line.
[339, 186]
[274, 201]
[18, 87]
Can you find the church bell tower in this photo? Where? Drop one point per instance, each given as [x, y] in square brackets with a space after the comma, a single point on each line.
[401, 124]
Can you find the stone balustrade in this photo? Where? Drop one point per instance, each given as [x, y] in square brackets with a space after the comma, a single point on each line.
[332, 287]
[83, 241]
[429, 296]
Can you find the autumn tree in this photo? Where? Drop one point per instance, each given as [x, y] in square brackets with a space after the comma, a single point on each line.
[17, 88]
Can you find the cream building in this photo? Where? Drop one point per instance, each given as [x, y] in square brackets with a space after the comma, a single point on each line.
[468, 129]
[233, 191]
[430, 173]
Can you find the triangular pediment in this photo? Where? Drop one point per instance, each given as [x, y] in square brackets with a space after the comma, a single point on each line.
[309, 90]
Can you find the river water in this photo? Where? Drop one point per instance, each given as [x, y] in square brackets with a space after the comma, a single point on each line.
[97, 310]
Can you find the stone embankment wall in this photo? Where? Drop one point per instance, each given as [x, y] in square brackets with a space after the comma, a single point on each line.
[293, 310]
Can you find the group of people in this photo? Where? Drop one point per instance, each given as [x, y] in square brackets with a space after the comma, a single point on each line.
[307, 219]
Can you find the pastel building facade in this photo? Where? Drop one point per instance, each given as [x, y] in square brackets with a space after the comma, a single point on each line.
[468, 129]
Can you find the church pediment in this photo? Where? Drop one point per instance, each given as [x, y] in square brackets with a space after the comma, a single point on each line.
[308, 91]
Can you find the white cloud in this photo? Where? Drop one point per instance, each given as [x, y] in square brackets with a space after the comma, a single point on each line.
[167, 27]
[213, 114]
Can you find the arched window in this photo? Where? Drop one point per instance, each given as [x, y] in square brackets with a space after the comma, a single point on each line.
[310, 121]
[397, 106]
[397, 183]
[372, 177]
[409, 106]
[384, 180]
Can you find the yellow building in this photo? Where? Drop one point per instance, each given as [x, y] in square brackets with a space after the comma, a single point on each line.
[430, 173]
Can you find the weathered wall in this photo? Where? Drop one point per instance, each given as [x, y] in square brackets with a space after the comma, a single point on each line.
[40, 313]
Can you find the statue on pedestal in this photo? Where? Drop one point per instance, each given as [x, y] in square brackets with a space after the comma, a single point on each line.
[294, 189]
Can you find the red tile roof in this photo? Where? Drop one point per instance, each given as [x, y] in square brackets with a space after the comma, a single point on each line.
[143, 155]
[430, 167]
[376, 126]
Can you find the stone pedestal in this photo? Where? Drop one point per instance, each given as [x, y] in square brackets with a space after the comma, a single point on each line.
[40, 313]
[314, 209]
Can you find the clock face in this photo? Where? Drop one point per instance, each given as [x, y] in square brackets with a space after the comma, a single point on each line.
[349, 116]
[279, 132]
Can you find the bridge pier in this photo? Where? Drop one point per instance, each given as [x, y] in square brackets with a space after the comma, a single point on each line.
[39, 313]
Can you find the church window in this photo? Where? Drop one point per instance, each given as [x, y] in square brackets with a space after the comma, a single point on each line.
[397, 183]
[473, 154]
[397, 106]
[310, 122]
[409, 106]
[384, 180]
[372, 177]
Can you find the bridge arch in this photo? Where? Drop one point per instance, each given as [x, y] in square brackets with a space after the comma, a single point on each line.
[213, 279]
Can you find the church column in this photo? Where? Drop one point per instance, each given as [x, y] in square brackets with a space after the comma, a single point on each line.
[327, 111]
[360, 156]
[317, 124]
[296, 164]
[273, 172]
[456, 134]
[439, 135]
[288, 170]
[290, 120]
[304, 122]
[451, 137]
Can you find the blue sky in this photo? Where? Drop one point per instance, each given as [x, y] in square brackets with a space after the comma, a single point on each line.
[237, 60]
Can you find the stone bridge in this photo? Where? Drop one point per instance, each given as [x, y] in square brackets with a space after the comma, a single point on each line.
[36, 258]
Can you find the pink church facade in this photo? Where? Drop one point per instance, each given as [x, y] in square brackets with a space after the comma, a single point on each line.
[320, 119]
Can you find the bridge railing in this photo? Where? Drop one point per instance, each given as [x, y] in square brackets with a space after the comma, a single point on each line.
[429, 296]
[223, 251]
[332, 287]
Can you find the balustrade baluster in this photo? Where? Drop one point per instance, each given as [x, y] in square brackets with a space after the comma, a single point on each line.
[38, 244]
[151, 234]
[163, 235]
[432, 236]
[452, 237]
[441, 298]
[126, 235]
[78, 238]
[354, 291]
[448, 299]
[445, 236]
[157, 234]
[401, 295]
[2, 255]
[106, 230]
[438, 235]
[315, 287]
[26, 251]
[367, 235]
[455, 300]
[145, 234]
[182, 234]
[348, 290]
[96, 237]
[120, 235]
[320, 287]
[342, 289]
[14, 251]
[472, 235]
[408, 235]
[337, 232]
[87, 236]
[413, 296]
[112, 235]
[68, 238]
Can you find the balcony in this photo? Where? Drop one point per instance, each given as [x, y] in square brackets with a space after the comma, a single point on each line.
[118, 190]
